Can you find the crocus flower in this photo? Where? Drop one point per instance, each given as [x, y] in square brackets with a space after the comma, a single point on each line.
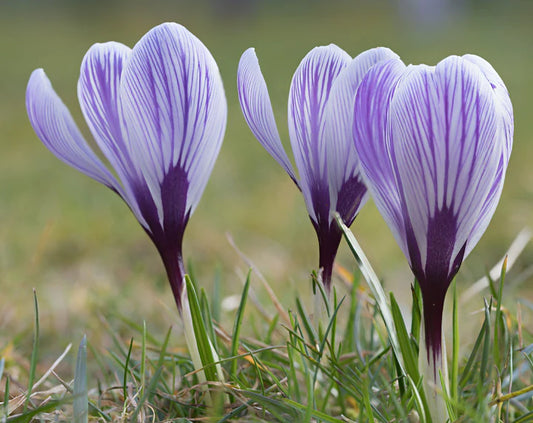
[320, 122]
[158, 114]
[434, 143]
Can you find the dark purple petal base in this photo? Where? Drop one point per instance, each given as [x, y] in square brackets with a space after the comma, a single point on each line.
[437, 275]
[169, 238]
[349, 199]
[329, 238]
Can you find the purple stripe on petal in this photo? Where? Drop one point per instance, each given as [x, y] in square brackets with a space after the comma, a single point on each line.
[174, 110]
[502, 99]
[336, 141]
[257, 109]
[98, 92]
[487, 210]
[370, 136]
[443, 147]
[309, 93]
[505, 109]
[54, 125]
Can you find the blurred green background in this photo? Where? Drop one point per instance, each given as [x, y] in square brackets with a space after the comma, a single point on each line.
[80, 247]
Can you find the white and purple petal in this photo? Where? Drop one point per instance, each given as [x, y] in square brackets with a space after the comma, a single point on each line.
[98, 93]
[257, 109]
[174, 118]
[503, 101]
[505, 109]
[100, 102]
[54, 125]
[371, 132]
[310, 89]
[347, 191]
[443, 133]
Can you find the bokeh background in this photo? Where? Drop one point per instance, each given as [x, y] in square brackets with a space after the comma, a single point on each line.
[80, 247]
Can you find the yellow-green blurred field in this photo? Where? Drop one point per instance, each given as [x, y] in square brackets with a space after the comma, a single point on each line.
[81, 248]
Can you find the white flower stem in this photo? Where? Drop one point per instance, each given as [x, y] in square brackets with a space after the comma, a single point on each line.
[190, 336]
[192, 345]
[433, 365]
[320, 312]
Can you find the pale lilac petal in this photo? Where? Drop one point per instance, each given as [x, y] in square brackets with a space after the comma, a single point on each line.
[487, 210]
[444, 149]
[370, 135]
[336, 141]
[309, 93]
[505, 108]
[257, 109]
[174, 114]
[98, 92]
[503, 101]
[99, 95]
[54, 125]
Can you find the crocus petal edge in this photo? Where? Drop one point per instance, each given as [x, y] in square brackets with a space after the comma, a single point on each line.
[257, 109]
[54, 125]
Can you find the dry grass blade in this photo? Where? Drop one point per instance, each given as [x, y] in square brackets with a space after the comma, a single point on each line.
[514, 251]
[263, 280]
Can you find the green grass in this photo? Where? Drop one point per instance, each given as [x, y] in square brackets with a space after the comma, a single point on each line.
[96, 273]
[345, 370]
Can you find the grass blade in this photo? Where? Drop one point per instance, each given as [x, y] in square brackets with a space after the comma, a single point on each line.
[497, 319]
[454, 383]
[200, 332]
[126, 367]
[409, 355]
[416, 312]
[376, 288]
[238, 323]
[6, 399]
[81, 401]
[34, 352]
[143, 359]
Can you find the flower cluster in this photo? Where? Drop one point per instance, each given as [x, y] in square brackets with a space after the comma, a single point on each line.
[430, 144]
[321, 121]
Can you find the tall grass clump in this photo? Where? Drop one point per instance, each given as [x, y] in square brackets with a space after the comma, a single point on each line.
[362, 365]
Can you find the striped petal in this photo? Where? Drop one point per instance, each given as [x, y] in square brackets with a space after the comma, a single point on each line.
[99, 96]
[347, 191]
[444, 148]
[308, 96]
[98, 92]
[505, 109]
[54, 125]
[174, 117]
[503, 101]
[371, 133]
[257, 109]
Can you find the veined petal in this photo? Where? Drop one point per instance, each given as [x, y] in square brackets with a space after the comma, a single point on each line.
[336, 141]
[370, 135]
[54, 125]
[174, 114]
[505, 108]
[309, 93]
[503, 100]
[257, 109]
[98, 92]
[444, 129]
[488, 208]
